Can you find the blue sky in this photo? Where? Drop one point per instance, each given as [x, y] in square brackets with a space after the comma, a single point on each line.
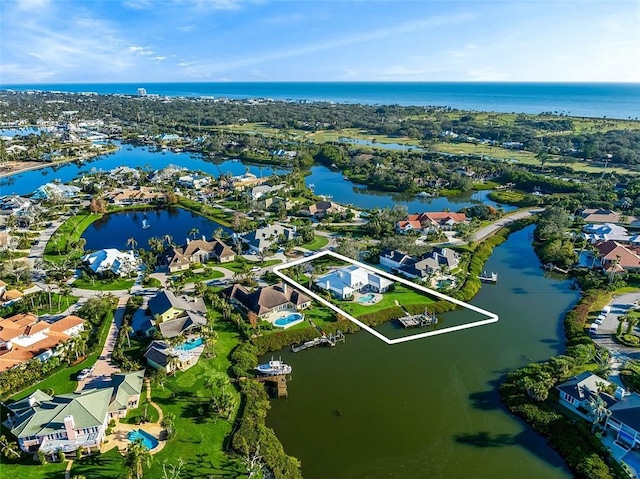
[49, 41]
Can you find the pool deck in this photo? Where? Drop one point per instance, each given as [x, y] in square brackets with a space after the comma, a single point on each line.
[119, 437]
[377, 297]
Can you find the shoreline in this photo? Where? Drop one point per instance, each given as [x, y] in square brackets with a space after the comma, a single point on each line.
[42, 165]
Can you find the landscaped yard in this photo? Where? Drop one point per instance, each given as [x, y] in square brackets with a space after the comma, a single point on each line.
[317, 243]
[403, 294]
[85, 282]
[68, 233]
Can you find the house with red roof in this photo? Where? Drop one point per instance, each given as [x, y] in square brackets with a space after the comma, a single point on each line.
[430, 221]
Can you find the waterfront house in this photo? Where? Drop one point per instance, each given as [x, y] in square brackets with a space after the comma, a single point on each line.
[430, 221]
[614, 257]
[160, 355]
[263, 238]
[431, 263]
[67, 422]
[594, 232]
[24, 337]
[120, 263]
[623, 408]
[138, 195]
[322, 208]
[394, 259]
[344, 282]
[174, 315]
[259, 191]
[55, 191]
[267, 299]
[602, 215]
[247, 180]
[179, 258]
[194, 181]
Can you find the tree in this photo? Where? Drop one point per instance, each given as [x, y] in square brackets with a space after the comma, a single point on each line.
[136, 458]
[167, 423]
[132, 242]
[631, 323]
[194, 232]
[9, 448]
[598, 410]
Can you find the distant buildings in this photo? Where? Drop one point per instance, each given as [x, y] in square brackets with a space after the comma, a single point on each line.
[179, 258]
[55, 192]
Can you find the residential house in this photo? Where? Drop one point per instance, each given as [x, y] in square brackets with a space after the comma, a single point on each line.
[344, 282]
[13, 204]
[139, 195]
[623, 418]
[431, 263]
[602, 215]
[174, 315]
[259, 191]
[127, 388]
[160, 355]
[595, 232]
[124, 172]
[267, 299]
[67, 422]
[24, 337]
[166, 174]
[614, 257]
[247, 180]
[55, 191]
[179, 258]
[263, 238]
[322, 208]
[430, 221]
[194, 181]
[9, 296]
[120, 263]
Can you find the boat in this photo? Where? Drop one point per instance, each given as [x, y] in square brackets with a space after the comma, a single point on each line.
[423, 194]
[274, 367]
[145, 224]
[488, 278]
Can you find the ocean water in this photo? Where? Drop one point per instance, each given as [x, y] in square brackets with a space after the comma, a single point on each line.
[613, 100]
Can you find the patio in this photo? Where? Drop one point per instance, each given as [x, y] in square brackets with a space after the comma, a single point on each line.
[367, 299]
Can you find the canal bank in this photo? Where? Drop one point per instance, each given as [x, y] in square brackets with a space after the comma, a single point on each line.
[431, 408]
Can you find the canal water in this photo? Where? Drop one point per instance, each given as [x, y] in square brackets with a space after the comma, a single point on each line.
[430, 407]
[114, 230]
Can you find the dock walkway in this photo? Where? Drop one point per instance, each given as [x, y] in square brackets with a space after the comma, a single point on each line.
[418, 320]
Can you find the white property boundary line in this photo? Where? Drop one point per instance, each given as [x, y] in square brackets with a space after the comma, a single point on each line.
[492, 317]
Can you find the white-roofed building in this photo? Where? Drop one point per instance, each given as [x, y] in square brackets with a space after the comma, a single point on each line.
[120, 263]
[606, 232]
[344, 282]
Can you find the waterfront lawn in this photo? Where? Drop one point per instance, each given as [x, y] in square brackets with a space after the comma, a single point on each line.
[69, 233]
[118, 284]
[216, 214]
[402, 294]
[27, 468]
[317, 243]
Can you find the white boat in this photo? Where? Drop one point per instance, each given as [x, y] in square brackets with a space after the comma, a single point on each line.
[423, 194]
[145, 224]
[274, 368]
[488, 278]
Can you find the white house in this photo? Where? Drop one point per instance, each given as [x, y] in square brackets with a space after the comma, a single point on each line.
[121, 263]
[344, 282]
[605, 232]
[262, 238]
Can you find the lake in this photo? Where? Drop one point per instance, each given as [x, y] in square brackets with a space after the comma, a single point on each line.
[430, 408]
[114, 230]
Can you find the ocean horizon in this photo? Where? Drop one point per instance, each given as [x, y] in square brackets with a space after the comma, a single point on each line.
[596, 100]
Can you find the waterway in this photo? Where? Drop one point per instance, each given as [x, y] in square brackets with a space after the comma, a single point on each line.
[114, 230]
[326, 181]
[430, 407]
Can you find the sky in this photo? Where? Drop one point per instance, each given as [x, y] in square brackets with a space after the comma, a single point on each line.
[103, 41]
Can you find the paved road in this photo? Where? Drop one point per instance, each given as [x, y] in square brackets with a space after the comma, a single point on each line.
[487, 231]
[619, 305]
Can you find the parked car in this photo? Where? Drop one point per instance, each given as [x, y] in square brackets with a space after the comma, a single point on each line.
[593, 328]
[255, 269]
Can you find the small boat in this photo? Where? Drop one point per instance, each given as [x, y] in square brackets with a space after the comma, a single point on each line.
[488, 278]
[423, 194]
[274, 368]
[145, 224]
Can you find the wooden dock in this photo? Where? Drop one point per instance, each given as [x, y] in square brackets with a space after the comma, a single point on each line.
[277, 385]
[418, 320]
[330, 340]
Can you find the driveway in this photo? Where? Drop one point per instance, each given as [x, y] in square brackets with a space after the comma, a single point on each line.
[487, 231]
[619, 305]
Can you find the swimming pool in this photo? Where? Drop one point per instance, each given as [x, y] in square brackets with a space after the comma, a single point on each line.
[288, 320]
[633, 461]
[148, 440]
[366, 298]
[189, 345]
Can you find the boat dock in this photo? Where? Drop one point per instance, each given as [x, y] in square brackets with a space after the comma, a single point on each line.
[330, 340]
[276, 385]
[488, 278]
[418, 320]
[553, 267]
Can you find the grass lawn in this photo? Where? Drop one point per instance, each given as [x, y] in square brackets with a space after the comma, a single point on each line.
[103, 284]
[236, 266]
[59, 303]
[140, 410]
[206, 275]
[317, 243]
[402, 294]
[69, 232]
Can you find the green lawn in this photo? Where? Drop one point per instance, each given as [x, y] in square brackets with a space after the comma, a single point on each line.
[317, 243]
[402, 294]
[84, 282]
[59, 303]
[205, 276]
[140, 410]
[69, 232]
[236, 266]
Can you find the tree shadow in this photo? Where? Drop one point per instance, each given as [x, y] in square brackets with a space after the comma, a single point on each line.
[485, 439]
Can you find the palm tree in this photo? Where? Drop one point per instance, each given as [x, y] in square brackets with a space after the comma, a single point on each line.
[200, 288]
[597, 410]
[136, 457]
[194, 232]
[132, 242]
[631, 323]
[9, 448]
